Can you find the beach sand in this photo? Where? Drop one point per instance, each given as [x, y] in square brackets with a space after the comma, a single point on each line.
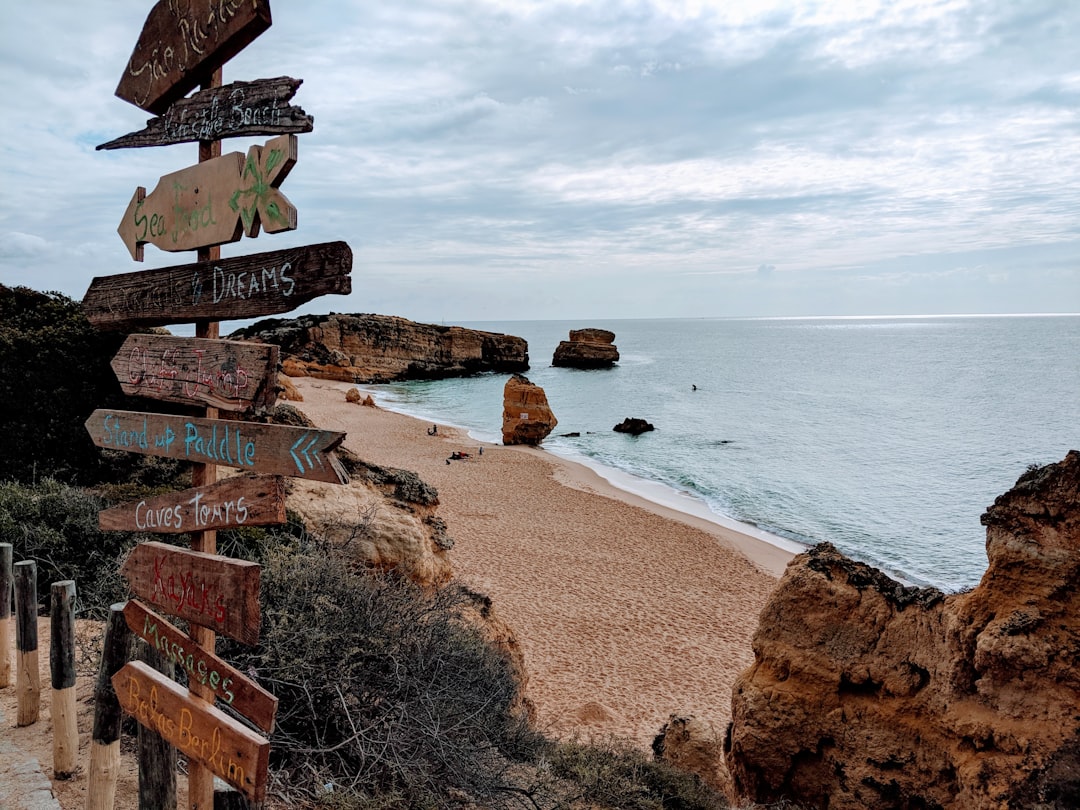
[627, 611]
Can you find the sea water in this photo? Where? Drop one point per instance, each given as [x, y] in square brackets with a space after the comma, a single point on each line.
[887, 437]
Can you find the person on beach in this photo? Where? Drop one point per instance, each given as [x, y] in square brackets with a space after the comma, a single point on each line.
[433, 430]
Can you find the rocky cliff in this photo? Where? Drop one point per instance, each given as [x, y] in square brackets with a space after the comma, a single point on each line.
[868, 694]
[382, 348]
[586, 348]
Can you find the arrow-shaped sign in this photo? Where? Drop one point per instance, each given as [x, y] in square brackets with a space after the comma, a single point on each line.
[274, 449]
[214, 202]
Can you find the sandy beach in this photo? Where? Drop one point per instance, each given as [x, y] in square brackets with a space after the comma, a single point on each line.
[627, 611]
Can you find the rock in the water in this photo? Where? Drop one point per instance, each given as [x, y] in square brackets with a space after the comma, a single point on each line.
[381, 348]
[527, 418]
[586, 348]
[869, 694]
[633, 426]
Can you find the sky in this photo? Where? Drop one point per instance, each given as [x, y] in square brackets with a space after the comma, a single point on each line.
[499, 160]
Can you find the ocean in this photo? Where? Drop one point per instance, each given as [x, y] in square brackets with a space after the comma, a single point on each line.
[887, 437]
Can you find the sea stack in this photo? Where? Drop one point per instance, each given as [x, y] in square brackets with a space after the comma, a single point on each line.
[527, 418]
[587, 348]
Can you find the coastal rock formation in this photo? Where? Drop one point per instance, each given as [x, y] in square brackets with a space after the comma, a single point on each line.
[868, 694]
[527, 418]
[586, 348]
[287, 391]
[382, 348]
[633, 426]
[693, 745]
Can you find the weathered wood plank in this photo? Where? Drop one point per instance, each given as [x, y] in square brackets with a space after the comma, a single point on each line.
[225, 374]
[210, 590]
[214, 202]
[250, 500]
[240, 109]
[205, 734]
[228, 289]
[275, 449]
[183, 43]
[230, 686]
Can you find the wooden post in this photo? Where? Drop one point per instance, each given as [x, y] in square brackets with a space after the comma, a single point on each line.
[157, 758]
[105, 744]
[26, 640]
[201, 778]
[5, 614]
[62, 669]
[228, 798]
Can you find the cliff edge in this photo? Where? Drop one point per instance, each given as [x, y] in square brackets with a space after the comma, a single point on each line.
[868, 694]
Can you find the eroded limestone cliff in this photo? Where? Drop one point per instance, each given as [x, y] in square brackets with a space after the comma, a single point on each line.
[383, 348]
[867, 694]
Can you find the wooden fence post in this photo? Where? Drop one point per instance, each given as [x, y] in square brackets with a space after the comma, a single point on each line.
[26, 640]
[105, 745]
[5, 614]
[62, 670]
[157, 759]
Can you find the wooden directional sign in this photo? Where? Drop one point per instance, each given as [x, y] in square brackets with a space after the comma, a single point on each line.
[210, 590]
[214, 202]
[235, 110]
[277, 449]
[225, 374]
[230, 686]
[183, 43]
[204, 734]
[245, 287]
[249, 500]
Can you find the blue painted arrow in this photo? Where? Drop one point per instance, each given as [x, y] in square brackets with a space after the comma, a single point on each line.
[296, 458]
[305, 452]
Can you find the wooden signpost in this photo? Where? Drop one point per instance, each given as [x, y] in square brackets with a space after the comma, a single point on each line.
[214, 202]
[235, 110]
[223, 374]
[238, 501]
[204, 734]
[232, 687]
[244, 287]
[210, 590]
[277, 449]
[181, 43]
